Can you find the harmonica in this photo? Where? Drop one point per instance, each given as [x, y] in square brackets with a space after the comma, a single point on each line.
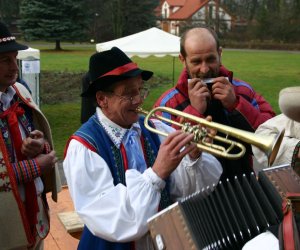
[211, 80]
[208, 80]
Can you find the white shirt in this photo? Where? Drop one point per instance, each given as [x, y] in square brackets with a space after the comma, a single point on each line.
[263, 241]
[119, 213]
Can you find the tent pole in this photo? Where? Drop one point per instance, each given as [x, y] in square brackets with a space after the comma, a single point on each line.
[173, 70]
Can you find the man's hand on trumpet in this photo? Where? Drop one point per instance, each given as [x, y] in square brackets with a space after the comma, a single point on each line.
[196, 153]
[171, 152]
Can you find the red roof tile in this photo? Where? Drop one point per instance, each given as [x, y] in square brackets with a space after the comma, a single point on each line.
[176, 2]
[190, 7]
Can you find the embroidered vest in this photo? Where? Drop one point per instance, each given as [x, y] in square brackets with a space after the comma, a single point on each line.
[93, 136]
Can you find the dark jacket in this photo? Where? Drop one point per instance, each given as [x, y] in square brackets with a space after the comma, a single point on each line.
[250, 111]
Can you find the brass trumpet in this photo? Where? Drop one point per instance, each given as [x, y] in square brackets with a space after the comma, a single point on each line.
[268, 144]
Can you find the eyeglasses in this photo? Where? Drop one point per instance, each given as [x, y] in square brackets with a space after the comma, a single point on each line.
[143, 93]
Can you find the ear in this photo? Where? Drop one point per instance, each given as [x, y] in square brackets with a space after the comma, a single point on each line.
[181, 58]
[101, 99]
[220, 51]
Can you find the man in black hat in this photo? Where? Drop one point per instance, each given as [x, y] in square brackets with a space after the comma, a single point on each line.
[119, 174]
[27, 161]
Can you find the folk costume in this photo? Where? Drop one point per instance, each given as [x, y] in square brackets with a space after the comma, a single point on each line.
[24, 215]
[249, 112]
[108, 168]
[114, 195]
[23, 223]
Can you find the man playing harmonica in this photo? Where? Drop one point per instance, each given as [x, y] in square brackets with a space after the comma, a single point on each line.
[228, 100]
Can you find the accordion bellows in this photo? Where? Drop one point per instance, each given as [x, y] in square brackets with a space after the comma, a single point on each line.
[227, 215]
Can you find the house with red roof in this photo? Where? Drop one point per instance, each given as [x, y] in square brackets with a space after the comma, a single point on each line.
[176, 15]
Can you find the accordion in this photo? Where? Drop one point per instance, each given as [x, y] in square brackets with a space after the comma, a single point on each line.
[227, 215]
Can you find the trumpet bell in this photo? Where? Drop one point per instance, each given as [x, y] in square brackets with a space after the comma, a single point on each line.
[270, 145]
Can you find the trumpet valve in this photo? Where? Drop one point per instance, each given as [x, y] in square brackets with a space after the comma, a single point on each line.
[199, 133]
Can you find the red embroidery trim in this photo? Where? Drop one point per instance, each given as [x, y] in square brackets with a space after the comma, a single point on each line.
[123, 152]
[144, 150]
[77, 138]
[120, 70]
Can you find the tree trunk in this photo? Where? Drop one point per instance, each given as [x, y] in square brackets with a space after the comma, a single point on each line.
[57, 45]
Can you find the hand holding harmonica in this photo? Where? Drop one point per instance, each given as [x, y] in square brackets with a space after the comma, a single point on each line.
[219, 89]
[223, 91]
[199, 94]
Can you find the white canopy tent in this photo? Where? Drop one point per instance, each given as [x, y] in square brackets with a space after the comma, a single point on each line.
[150, 42]
[30, 52]
[29, 70]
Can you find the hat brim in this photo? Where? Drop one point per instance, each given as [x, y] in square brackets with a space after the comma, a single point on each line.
[289, 103]
[12, 46]
[103, 82]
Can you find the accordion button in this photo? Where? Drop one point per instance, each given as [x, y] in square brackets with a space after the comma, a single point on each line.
[159, 242]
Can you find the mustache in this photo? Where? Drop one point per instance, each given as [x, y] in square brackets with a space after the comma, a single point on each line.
[209, 74]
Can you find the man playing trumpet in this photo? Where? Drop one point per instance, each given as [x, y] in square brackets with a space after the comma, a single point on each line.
[120, 174]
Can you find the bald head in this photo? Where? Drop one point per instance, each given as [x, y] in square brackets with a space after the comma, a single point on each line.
[198, 36]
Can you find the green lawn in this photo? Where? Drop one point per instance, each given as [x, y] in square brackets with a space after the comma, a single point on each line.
[75, 61]
[267, 71]
[64, 120]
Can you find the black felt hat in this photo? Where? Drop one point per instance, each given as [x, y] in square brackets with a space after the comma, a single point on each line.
[7, 41]
[111, 66]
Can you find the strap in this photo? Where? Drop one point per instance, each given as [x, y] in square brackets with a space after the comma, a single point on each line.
[288, 230]
[288, 224]
[292, 196]
[11, 115]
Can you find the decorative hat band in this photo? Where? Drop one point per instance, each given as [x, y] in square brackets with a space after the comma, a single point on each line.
[120, 70]
[7, 39]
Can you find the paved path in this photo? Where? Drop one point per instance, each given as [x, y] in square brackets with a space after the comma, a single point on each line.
[58, 238]
[62, 174]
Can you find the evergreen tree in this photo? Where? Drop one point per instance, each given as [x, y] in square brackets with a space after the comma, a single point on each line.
[54, 20]
[9, 10]
[118, 18]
